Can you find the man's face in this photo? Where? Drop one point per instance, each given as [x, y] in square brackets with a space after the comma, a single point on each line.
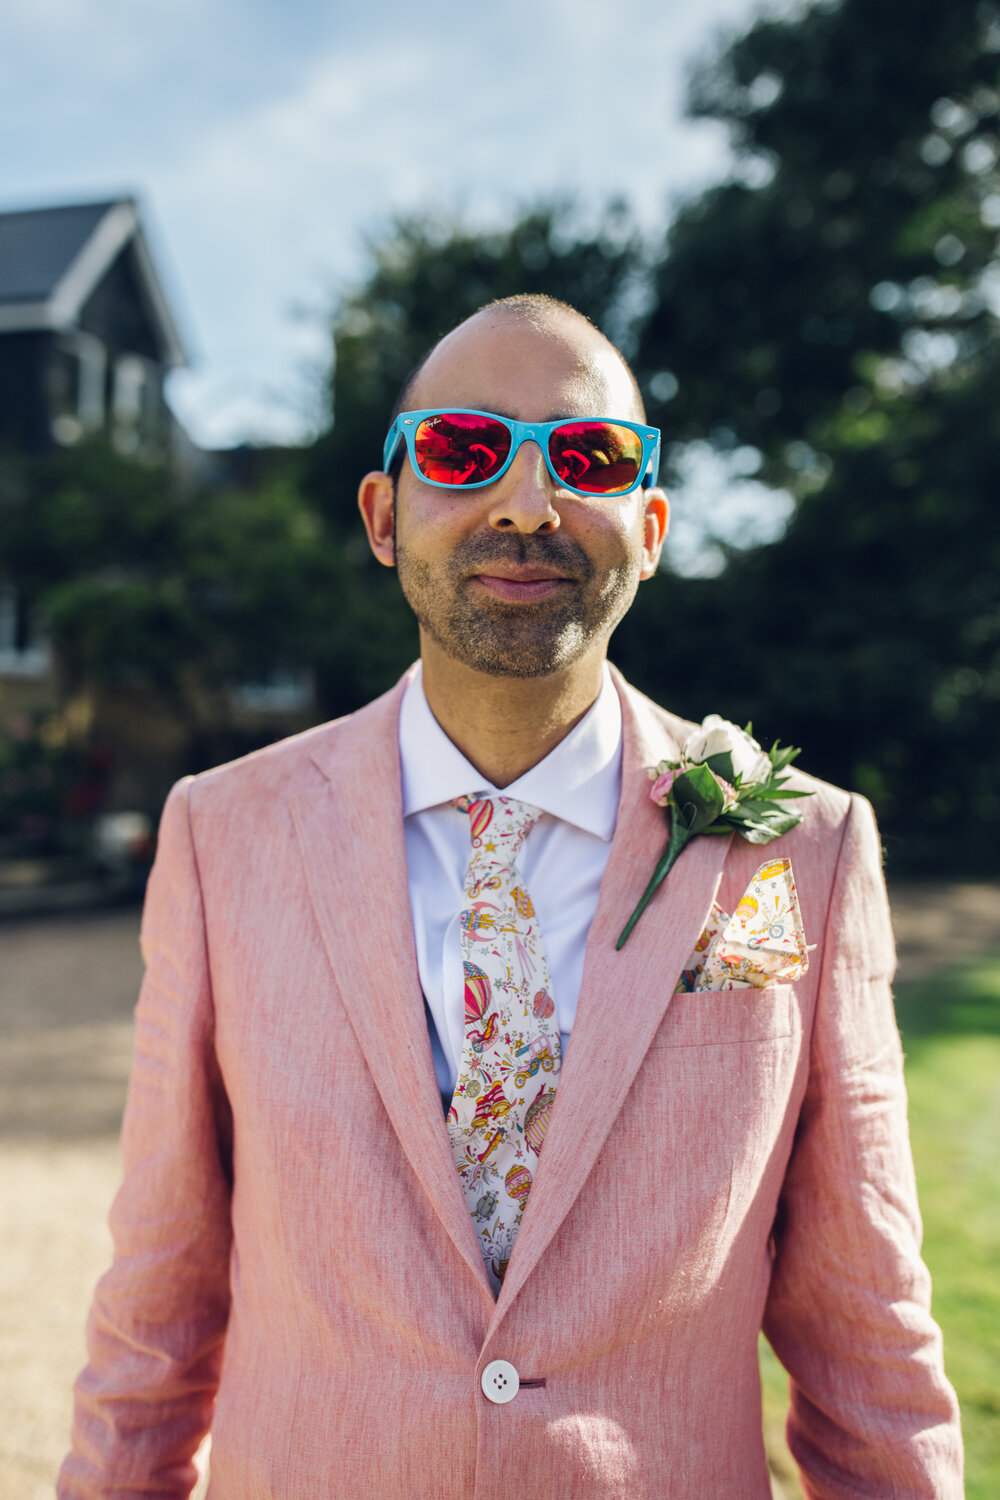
[522, 578]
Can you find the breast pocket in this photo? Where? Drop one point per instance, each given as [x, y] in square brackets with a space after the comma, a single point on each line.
[712, 1018]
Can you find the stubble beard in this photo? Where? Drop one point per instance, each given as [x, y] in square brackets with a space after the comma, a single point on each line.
[516, 640]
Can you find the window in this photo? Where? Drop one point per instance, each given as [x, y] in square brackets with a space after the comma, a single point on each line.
[76, 383]
[136, 406]
[24, 651]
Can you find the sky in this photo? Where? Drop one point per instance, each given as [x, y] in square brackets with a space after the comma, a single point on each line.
[269, 140]
[266, 139]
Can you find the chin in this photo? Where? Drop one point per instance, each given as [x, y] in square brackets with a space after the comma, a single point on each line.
[498, 655]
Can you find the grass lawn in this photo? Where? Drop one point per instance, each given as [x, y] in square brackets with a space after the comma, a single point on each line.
[951, 1034]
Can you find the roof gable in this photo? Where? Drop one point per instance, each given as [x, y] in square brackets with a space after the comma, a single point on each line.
[38, 246]
[52, 259]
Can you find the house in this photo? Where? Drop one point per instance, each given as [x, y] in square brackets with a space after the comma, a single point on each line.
[86, 333]
[87, 339]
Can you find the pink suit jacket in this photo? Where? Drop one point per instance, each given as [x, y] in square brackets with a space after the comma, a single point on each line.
[296, 1266]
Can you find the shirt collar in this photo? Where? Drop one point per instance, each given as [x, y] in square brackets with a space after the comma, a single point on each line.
[579, 780]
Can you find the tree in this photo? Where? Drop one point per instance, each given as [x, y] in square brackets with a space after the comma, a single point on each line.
[834, 305]
[189, 597]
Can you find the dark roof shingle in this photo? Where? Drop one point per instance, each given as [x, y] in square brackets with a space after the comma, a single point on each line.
[38, 246]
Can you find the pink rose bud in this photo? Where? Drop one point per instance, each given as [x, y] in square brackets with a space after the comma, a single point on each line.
[660, 790]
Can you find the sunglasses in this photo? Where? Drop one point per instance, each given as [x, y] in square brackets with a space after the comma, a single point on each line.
[467, 449]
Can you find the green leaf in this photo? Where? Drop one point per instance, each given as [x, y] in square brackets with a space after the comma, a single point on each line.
[782, 758]
[761, 830]
[739, 814]
[722, 765]
[764, 835]
[698, 799]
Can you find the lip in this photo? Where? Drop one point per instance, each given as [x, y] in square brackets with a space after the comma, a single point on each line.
[523, 585]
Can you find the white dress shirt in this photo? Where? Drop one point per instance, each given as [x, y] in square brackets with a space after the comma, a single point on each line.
[577, 787]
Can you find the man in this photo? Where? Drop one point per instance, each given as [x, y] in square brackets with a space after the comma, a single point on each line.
[555, 1290]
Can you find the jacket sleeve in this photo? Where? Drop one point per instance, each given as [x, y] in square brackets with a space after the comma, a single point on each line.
[158, 1322]
[848, 1312]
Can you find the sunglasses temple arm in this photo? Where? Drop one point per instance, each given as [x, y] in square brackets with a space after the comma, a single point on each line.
[652, 474]
[391, 445]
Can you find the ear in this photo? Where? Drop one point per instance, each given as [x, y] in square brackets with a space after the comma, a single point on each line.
[377, 504]
[656, 522]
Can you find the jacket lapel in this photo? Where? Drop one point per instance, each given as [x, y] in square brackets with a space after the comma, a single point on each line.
[624, 995]
[350, 832]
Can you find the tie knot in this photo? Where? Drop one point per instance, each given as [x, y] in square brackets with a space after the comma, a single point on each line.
[503, 822]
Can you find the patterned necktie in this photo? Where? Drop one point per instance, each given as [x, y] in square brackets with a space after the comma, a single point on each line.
[510, 1063]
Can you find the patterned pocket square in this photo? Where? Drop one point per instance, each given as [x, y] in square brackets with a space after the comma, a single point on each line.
[762, 943]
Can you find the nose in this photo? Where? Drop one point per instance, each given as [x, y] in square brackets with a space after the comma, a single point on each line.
[522, 500]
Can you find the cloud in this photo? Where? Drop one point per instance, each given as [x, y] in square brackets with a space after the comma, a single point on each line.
[548, 98]
[48, 38]
[270, 139]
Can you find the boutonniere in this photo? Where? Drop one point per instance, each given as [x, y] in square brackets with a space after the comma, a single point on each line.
[723, 783]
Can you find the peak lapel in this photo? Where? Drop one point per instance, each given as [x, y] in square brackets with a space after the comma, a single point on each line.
[350, 832]
[624, 995]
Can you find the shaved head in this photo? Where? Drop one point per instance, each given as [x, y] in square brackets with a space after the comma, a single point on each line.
[548, 317]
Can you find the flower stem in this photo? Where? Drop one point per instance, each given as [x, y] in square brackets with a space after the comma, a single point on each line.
[679, 836]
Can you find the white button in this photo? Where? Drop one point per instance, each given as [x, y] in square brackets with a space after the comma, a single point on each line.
[500, 1382]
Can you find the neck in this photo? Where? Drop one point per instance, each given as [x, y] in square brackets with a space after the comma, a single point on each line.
[506, 725]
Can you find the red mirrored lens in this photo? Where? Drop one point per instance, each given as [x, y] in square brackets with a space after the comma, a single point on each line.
[455, 448]
[599, 458]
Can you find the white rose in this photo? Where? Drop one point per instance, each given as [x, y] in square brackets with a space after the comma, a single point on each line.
[716, 736]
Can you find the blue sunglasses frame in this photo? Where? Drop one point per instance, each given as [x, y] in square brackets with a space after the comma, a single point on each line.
[405, 426]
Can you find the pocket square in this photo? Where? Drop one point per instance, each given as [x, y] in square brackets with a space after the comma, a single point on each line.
[762, 943]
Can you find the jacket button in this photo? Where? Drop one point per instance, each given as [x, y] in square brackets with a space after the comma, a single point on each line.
[500, 1382]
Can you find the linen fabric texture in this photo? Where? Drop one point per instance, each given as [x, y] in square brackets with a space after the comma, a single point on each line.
[295, 1263]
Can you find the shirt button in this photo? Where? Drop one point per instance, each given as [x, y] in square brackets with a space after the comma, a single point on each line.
[500, 1382]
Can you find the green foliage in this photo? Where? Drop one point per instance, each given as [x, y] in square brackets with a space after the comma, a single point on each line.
[188, 596]
[873, 147]
[833, 305]
[79, 511]
[840, 316]
[260, 580]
